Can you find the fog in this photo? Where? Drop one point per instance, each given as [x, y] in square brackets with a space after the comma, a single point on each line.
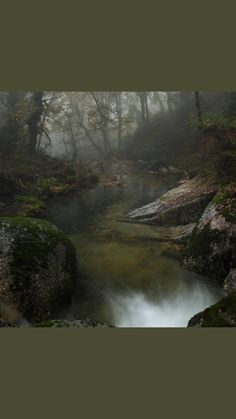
[100, 125]
[84, 160]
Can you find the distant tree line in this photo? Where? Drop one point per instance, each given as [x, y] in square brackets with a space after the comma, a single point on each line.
[130, 125]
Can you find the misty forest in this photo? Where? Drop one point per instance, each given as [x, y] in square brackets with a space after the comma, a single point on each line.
[117, 209]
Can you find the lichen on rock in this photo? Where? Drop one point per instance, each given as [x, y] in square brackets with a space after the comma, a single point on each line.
[211, 249]
[181, 205]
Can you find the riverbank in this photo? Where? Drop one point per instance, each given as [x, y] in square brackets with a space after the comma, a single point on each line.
[28, 183]
[211, 241]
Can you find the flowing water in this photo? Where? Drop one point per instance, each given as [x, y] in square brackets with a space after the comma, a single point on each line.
[127, 276]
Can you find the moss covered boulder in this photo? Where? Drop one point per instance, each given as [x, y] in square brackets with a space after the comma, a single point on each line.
[212, 247]
[37, 267]
[221, 314]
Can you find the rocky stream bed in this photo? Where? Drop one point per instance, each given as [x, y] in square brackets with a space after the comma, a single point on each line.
[141, 248]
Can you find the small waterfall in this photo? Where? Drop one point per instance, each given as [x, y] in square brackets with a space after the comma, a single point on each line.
[135, 309]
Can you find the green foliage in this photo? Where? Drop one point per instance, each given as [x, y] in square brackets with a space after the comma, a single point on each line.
[226, 201]
[45, 183]
[50, 185]
[223, 195]
[29, 199]
[217, 141]
[213, 120]
[31, 204]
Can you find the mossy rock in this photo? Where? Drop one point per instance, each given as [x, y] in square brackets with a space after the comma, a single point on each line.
[71, 323]
[221, 314]
[211, 249]
[209, 253]
[4, 323]
[37, 267]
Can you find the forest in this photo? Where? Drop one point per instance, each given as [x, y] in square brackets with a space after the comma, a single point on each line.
[117, 209]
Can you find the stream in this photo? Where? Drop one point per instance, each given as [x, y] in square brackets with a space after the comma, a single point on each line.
[128, 278]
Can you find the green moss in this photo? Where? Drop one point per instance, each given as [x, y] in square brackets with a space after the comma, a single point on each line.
[36, 248]
[45, 183]
[31, 204]
[200, 241]
[163, 198]
[34, 240]
[28, 199]
[221, 196]
[229, 212]
[221, 314]
[226, 201]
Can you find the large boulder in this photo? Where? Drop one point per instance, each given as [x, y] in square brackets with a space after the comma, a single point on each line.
[181, 205]
[37, 267]
[212, 247]
[221, 314]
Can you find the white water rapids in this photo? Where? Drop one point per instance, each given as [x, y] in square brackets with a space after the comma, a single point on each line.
[134, 309]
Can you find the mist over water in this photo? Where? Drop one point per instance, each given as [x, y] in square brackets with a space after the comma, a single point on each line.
[135, 309]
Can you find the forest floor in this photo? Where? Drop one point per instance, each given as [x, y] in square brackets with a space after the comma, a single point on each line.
[27, 182]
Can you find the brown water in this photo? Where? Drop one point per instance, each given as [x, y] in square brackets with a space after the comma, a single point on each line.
[126, 275]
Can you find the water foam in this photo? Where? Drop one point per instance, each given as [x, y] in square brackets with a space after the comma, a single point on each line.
[135, 309]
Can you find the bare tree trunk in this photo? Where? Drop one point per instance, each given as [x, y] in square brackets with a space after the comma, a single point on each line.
[74, 143]
[119, 117]
[142, 104]
[88, 134]
[66, 146]
[13, 124]
[160, 103]
[143, 97]
[199, 110]
[91, 140]
[104, 120]
[34, 121]
[146, 107]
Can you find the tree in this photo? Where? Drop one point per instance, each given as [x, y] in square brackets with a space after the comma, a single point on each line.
[11, 133]
[158, 100]
[118, 99]
[199, 110]
[34, 120]
[101, 119]
[143, 98]
[169, 101]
